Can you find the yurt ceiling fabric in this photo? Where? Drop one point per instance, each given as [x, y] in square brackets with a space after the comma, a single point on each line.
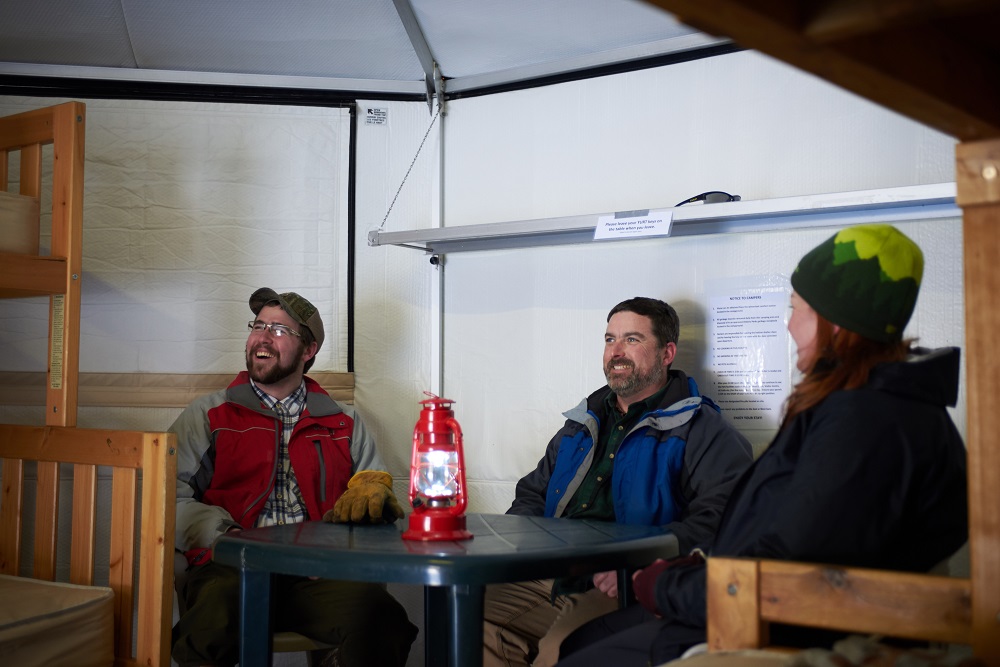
[372, 47]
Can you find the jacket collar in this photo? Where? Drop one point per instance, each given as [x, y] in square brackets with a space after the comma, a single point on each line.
[928, 376]
[318, 402]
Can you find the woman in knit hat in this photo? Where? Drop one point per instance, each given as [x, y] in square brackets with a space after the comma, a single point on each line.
[867, 468]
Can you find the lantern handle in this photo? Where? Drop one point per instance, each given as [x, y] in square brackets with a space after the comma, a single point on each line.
[463, 497]
[435, 399]
[452, 424]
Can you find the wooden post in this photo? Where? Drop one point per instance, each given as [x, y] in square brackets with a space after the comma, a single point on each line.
[734, 605]
[68, 131]
[977, 176]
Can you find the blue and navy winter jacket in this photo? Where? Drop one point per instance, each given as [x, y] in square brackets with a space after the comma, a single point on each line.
[675, 468]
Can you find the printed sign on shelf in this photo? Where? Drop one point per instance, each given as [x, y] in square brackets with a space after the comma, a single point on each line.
[630, 224]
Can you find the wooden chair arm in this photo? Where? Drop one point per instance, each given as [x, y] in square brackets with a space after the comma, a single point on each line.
[745, 595]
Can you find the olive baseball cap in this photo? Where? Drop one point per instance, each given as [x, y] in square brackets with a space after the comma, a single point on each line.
[864, 278]
[296, 305]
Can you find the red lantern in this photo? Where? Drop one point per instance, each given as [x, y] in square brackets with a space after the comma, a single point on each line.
[437, 475]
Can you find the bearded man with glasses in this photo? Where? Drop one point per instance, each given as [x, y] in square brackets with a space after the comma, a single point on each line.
[275, 448]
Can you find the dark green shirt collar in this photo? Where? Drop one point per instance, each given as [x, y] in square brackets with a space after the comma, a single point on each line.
[647, 405]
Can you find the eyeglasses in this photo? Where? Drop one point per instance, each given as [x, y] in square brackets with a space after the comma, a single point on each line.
[279, 330]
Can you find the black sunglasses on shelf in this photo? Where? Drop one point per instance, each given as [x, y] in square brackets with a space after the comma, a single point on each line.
[711, 197]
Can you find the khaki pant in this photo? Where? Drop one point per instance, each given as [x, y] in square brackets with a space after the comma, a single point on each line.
[522, 627]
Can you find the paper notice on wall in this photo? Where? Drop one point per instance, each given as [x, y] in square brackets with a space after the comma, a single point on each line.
[748, 345]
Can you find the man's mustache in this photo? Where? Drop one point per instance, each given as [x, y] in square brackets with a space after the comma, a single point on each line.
[619, 362]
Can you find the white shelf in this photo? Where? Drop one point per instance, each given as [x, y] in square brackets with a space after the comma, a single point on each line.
[838, 209]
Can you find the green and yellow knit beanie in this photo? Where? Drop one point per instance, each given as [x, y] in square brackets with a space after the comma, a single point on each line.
[864, 279]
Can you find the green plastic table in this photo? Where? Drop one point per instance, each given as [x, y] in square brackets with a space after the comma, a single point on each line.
[454, 573]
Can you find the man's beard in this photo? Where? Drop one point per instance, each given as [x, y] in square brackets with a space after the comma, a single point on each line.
[634, 382]
[276, 373]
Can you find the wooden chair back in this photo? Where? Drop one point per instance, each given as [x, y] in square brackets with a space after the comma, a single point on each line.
[139, 566]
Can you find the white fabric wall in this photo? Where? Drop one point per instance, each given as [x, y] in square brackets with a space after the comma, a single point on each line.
[393, 301]
[523, 328]
[188, 208]
[742, 123]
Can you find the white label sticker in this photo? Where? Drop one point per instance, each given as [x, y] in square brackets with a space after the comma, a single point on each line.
[376, 116]
[57, 343]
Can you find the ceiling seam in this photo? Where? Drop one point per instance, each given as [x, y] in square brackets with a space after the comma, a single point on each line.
[128, 34]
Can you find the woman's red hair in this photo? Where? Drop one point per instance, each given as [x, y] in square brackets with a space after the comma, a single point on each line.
[845, 361]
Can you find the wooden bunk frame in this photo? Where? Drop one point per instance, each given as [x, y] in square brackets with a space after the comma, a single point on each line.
[938, 63]
[139, 566]
[58, 274]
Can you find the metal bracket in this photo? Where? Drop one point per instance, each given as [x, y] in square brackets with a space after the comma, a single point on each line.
[432, 73]
[435, 89]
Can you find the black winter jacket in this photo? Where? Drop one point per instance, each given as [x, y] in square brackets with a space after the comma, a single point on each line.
[871, 477]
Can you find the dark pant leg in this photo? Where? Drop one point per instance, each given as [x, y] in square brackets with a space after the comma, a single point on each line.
[208, 629]
[620, 638]
[366, 624]
[631, 637]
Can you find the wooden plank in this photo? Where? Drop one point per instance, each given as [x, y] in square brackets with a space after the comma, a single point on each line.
[963, 104]
[159, 472]
[26, 128]
[72, 445]
[143, 390]
[907, 605]
[834, 20]
[121, 571]
[978, 180]
[46, 520]
[11, 506]
[964, 79]
[19, 222]
[83, 538]
[31, 172]
[28, 275]
[734, 605]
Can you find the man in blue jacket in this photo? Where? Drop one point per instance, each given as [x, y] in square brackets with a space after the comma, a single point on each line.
[647, 449]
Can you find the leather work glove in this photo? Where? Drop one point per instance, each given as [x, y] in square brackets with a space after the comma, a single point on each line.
[368, 499]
